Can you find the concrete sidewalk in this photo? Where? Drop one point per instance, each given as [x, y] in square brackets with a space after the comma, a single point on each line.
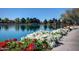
[70, 42]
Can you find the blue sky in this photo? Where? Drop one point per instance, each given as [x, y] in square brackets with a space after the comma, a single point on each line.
[40, 13]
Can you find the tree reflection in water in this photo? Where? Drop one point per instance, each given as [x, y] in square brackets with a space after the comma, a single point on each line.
[23, 27]
[20, 30]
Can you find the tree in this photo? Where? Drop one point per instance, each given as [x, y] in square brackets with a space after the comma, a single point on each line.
[50, 21]
[27, 20]
[71, 16]
[23, 20]
[5, 20]
[45, 21]
[54, 20]
[33, 20]
[17, 20]
[0, 19]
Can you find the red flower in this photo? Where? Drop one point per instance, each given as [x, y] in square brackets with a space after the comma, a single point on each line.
[31, 47]
[2, 44]
[14, 39]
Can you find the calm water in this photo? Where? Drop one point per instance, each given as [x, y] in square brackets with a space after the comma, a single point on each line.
[18, 31]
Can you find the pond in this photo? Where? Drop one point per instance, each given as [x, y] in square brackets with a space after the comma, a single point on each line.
[9, 31]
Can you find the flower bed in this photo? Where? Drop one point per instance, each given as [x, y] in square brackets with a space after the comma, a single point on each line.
[24, 45]
[50, 37]
[38, 41]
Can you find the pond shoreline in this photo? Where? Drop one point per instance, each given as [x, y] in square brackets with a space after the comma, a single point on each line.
[46, 40]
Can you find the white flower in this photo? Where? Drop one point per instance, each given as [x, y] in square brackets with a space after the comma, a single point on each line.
[50, 37]
[53, 44]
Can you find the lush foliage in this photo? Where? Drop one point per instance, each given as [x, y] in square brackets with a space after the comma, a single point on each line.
[38, 41]
[50, 37]
[28, 21]
[71, 17]
[24, 45]
[20, 21]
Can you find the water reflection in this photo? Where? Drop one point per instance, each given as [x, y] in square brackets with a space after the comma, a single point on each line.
[45, 27]
[0, 27]
[21, 27]
[6, 27]
[20, 30]
[24, 27]
[50, 27]
[17, 27]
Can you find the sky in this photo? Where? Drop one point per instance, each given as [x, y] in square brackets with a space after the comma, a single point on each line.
[40, 13]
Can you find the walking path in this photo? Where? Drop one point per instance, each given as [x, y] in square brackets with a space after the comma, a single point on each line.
[70, 42]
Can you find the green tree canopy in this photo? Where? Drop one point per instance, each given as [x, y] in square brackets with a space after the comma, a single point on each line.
[5, 20]
[45, 21]
[17, 20]
[23, 20]
[0, 19]
[71, 16]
